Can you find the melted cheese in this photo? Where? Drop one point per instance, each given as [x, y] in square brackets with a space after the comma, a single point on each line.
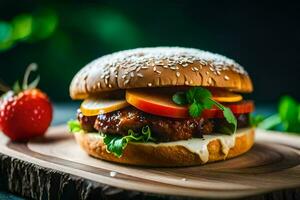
[199, 145]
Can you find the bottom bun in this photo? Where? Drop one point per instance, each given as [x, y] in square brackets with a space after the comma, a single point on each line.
[172, 154]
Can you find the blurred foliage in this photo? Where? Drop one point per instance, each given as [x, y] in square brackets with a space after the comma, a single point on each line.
[62, 37]
[27, 28]
[287, 119]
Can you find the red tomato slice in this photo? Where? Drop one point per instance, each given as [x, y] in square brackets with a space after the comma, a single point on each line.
[160, 103]
[237, 108]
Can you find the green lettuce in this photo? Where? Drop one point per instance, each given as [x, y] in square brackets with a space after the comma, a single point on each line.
[74, 126]
[116, 144]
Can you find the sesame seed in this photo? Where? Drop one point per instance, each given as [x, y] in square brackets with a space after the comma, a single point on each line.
[226, 78]
[109, 85]
[219, 73]
[149, 84]
[177, 74]
[159, 72]
[131, 74]
[186, 82]
[123, 76]
[154, 68]
[105, 81]
[140, 75]
[145, 67]
[126, 82]
[209, 81]
[207, 73]
[138, 69]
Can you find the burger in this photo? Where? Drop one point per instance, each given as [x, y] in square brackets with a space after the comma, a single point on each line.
[162, 107]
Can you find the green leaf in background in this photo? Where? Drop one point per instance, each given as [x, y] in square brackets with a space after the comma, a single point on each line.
[287, 119]
[74, 126]
[289, 111]
[44, 24]
[22, 26]
[270, 122]
[116, 144]
[27, 27]
[255, 120]
[6, 41]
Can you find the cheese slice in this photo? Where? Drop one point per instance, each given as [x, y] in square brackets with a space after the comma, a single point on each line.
[92, 107]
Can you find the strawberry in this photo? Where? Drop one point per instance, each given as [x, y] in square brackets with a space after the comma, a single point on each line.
[25, 112]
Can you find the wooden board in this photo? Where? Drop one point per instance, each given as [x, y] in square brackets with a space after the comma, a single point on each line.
[272, 164]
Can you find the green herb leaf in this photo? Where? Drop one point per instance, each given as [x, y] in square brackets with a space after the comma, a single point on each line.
[180, 98]
[289, 112]
[255, 120]
[116, 144]
[197, 94]
[195, 109]
[199, 99]
[74, 126]
[229, 116]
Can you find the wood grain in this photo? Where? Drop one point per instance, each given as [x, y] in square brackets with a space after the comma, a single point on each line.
[273, 164]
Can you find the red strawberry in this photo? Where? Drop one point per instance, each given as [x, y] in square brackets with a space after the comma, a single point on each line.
[25, 114]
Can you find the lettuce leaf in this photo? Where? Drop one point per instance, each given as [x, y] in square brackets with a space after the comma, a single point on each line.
[74, 126]
[116, 144]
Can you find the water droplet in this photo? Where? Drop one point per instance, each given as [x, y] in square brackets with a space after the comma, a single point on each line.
[113, 173]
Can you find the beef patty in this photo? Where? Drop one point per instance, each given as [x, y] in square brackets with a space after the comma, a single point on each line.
[163, 129]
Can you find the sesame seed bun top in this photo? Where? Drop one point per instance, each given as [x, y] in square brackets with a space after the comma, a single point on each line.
[159, 67]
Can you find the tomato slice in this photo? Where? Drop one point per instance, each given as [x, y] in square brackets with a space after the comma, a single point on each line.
[242, 107]
[160, 103]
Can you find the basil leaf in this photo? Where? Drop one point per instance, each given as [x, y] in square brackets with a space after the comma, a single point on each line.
[228, 115]
[255, 120]
[226, 129]
[288, 112]
[74, 126]
[195, 109]
[116, 144]
[198, 94]
[199, 99]
[180, 98]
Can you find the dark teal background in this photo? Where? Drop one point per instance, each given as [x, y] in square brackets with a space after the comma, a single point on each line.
[263, 36]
